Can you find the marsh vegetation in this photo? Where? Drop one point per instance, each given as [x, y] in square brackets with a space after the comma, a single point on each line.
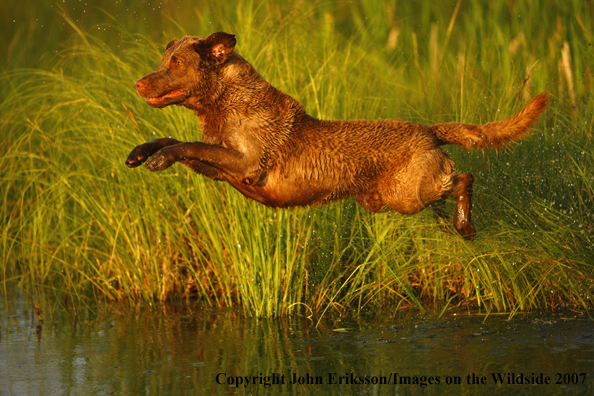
[75, 222]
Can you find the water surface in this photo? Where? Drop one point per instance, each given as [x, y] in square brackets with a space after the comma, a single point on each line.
[188, 349]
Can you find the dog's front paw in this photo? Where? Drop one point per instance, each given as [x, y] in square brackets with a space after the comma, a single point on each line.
[162, 159]
[139, 155]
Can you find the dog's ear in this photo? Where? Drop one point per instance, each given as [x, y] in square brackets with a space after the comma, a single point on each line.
[170, 44]
[217, 47]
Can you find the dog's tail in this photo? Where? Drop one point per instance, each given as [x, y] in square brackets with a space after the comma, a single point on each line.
[492, 134]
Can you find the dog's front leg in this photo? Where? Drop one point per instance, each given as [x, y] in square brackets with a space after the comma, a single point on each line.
[202, 168]
[143, 151]
[228, 161]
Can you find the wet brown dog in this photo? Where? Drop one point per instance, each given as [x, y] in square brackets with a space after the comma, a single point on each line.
[260, 140]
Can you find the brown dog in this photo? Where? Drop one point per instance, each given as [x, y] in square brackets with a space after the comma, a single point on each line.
[261, 141]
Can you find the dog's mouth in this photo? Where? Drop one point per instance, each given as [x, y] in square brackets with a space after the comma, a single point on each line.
[173, 97]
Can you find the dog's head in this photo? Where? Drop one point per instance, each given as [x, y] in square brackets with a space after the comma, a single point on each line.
[187, 72]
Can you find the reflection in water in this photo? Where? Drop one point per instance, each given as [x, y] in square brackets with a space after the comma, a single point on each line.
[39, 314]
[182, 349]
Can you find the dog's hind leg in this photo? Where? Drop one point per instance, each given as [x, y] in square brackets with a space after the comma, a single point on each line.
[463, 217]
[430, 178]
[372, 201]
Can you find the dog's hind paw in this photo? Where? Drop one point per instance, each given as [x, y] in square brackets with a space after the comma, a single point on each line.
[466, 230]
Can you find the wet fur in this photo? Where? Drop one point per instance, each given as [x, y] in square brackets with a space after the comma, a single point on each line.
[261, 141]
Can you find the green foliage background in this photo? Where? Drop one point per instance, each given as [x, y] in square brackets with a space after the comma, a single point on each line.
[75, 221]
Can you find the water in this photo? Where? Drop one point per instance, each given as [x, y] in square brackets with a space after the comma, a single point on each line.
[188, 349]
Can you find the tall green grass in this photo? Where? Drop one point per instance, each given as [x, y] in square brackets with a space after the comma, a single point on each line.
[76, 221]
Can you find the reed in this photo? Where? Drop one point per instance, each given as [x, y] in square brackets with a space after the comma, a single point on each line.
[76, 222]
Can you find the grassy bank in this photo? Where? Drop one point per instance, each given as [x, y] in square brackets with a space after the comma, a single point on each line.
[76, 221]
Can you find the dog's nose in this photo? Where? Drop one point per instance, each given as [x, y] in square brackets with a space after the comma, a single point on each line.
[140, 86]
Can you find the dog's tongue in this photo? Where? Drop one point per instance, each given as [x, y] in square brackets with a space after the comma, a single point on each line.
[177, 92]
